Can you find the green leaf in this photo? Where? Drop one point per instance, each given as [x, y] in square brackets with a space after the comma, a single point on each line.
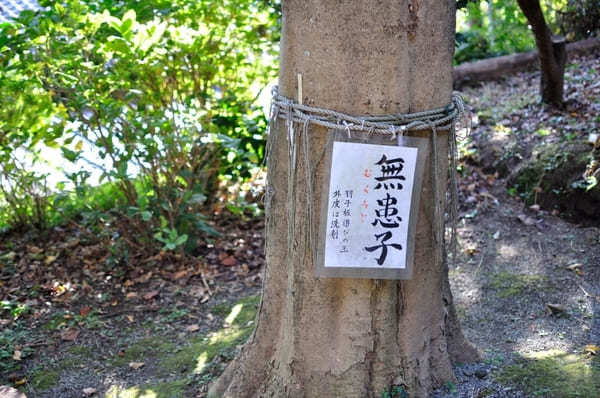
[146, 215]
[70, 155]
[181, 240]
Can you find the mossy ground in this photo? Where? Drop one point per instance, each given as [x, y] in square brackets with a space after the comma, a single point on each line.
[554, 373]
[202, 350]
[177, 362]
[173, 389]
[136, 352]
[47, 376]
[45, 379]
[508, 284]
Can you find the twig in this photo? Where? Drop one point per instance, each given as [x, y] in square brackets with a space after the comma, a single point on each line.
[481, 261]
[117, 313]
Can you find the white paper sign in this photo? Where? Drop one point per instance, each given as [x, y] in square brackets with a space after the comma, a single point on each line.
[369, 205]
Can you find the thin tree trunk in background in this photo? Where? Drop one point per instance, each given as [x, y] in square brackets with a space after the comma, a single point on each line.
[319, 337]
[551, 51]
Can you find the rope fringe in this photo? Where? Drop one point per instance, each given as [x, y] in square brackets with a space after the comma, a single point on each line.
[439, 119]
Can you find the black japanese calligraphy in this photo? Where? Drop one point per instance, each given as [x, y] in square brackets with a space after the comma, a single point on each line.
[390, 171]
[387, 235]
[386, 212]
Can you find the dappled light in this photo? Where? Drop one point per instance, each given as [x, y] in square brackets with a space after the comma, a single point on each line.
[201, 364]
[134, 201]
[235, 311]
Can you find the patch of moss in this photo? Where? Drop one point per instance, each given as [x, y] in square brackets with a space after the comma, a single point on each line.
[554, 373]
[197, 356]
[245, 314]
[507, 284]
[58, 320]
[201, 351]
[172, 389]
[81, 350]
[48, 377]
[555, 169]
[45, 379]
[137, 351]
[69, 363]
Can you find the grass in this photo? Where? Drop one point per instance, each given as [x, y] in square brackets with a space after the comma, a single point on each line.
[555, 374]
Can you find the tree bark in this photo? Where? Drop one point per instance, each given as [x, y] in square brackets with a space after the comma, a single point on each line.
[551, 52]
[319, 337]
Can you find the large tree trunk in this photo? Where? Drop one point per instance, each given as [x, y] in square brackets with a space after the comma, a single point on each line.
[551, 52]
[319, 337]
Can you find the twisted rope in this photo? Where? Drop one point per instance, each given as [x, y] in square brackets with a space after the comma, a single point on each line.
[439, 119]
[392, 124]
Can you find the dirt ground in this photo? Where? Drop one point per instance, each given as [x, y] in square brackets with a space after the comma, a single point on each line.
[526, 283]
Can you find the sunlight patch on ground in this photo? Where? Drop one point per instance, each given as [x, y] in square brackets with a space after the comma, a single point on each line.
[555, 373]
[162, 390]
[508, 252]
[235, 311]
[202, 362]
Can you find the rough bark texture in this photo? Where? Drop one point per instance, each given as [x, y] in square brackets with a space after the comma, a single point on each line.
[551, 51]
[352, 337]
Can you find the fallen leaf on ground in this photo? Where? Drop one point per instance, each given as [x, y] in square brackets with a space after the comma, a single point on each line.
[10, 256]
[130, 318]
[178, 275]
[21, 381]
[144, 278]
[591, 349]
[526, 219]
[89, 391]
[17, 355]
[229, 261]
[150, 295]
[470, 250]
[84, 312]
[9, 392]
[192, 328]
[553, 309]
[136, 365]
[49, 260]
[574, 267]
[69, 334]
[34, 249]
[131, 295]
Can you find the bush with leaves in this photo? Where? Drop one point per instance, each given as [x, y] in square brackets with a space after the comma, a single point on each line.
[491, 28]
[162, 91]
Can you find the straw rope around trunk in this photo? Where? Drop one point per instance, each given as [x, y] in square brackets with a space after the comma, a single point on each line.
[392, 125]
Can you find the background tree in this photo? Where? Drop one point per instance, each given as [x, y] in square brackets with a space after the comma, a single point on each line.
[352, 337]
[551, 52]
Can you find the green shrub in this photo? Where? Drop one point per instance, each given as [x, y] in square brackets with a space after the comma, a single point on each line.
[162, 92]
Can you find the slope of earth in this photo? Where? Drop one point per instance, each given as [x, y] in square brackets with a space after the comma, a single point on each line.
[526, 282]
